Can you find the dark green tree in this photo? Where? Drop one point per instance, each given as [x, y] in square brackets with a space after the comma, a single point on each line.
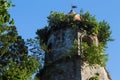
[8, 32]
[15, 63]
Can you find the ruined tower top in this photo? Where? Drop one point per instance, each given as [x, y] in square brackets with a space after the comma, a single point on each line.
[63, 60]
[72, 12]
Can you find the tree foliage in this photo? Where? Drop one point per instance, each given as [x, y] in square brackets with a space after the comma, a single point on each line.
[15, 63]
[20, 71]
[8, 31]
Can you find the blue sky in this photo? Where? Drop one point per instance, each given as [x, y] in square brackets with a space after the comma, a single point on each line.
[31, 15]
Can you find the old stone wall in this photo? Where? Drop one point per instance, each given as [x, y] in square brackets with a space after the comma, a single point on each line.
[60, 67]
[60, 43]
[67, 69]
[88, 72]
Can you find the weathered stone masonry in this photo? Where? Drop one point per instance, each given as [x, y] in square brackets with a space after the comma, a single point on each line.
[60, 67]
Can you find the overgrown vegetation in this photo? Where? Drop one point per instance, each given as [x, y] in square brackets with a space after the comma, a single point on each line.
[89, 23]
[94, 78]
[92, 54]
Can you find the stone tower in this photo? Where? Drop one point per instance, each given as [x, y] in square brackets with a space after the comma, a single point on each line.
[59, 65]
